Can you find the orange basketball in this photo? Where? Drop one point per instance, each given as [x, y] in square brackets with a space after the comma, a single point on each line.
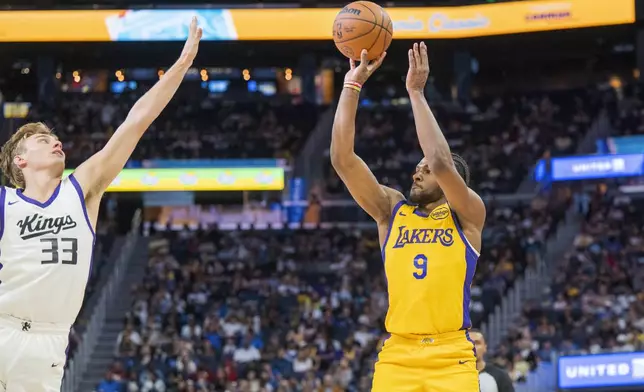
[362, 25]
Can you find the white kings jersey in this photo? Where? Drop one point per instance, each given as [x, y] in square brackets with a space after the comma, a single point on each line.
[45, 254]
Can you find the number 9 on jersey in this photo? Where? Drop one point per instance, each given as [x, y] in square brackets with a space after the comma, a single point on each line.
[420, 262]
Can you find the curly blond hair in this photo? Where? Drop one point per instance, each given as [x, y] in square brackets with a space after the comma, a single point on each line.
[14, 146]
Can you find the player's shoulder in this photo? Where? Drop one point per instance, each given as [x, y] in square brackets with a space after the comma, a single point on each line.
[7, 191]
[395, 200]
[395, 197]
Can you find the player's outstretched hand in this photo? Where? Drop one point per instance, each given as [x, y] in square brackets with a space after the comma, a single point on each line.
[362, 72]
[418, 68]
[191, 47]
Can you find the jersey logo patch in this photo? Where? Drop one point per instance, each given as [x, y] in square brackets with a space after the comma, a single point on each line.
[439, 213]
[37, 225]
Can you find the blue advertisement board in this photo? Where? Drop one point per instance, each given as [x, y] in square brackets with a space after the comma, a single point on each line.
[297, 192]
[596, 166]
[621, 145]
[601, 371]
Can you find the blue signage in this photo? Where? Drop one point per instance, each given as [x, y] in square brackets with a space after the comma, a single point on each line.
[296, 193]
[621, 145]
[540, 170]
[596, 166]
[601, 371]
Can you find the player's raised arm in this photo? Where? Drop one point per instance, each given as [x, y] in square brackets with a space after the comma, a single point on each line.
[465, 202]
[375, 199]
[96, 174]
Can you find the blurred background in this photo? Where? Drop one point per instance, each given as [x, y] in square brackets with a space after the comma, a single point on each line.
[230, 257]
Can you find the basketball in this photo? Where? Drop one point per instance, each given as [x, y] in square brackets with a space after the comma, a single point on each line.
[362, 25]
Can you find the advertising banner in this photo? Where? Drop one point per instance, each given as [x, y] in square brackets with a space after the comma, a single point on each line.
[206, 163]
[601, 371]
[297, 193]
[596, 166]
[197, 179]
[309, 23]
[621, 145]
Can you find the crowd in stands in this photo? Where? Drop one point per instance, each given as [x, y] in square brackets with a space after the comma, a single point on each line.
[628, 110]
[303, 310]
[191, 127]
[595, 302]
[285, 310]
[500, 139]
[487, 133]
[105, 238]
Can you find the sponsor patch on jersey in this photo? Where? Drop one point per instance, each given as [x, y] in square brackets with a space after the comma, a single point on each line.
[439, 213]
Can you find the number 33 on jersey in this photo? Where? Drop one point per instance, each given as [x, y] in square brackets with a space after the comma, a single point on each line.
[429, 266]
[45, 254]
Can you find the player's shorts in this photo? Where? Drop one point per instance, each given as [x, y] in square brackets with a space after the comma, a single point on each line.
[32, 355]
[427, 363]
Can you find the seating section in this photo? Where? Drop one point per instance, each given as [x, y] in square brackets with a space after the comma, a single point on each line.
[300, 308]
[500, 139]
[105, 239]
[626, 113]
[191, 127]
[595, 302]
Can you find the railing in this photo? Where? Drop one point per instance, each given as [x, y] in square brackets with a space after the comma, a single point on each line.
[77, 365]
[310, 160]
[527, 287]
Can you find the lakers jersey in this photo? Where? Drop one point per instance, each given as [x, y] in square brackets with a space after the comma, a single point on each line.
[429, 265]
[45, 254]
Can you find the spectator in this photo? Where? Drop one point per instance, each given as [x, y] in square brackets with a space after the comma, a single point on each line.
[492, 378]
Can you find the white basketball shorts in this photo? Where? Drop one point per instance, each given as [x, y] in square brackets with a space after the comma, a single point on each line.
[32, 355]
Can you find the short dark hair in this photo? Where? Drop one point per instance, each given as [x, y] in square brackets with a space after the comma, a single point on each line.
[461, 167]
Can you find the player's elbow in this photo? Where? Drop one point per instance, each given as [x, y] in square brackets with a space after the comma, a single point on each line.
[340, 157]
[336, 158]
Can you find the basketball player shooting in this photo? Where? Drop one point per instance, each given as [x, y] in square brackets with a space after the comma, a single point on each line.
[430, 244]
[47, 234]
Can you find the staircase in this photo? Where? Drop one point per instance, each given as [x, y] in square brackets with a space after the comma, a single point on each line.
[535, 281]
[532, 284]
[103, 354]
[310, 161]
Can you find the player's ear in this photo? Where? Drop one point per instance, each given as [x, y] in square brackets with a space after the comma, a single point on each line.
[19, 161]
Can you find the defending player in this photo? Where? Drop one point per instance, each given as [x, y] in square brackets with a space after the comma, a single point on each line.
[430, 244]
[47, 234]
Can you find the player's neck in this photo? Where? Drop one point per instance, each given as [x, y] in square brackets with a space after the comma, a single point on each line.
[480, 364]
[430, 207]
[40, 186]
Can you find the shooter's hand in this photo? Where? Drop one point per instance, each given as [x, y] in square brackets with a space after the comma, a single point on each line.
[362, 72]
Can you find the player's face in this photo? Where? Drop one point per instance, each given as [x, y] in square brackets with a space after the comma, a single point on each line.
[479, 343]
[41, 151]
[425, 188]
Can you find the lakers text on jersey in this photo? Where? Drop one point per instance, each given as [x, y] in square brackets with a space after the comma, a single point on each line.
[429, 265]
[45, 254]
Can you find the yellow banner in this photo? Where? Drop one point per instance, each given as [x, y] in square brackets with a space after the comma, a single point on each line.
[197, 179]
[309, 24]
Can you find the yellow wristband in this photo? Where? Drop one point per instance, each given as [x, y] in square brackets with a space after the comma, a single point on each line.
[356, 88]
[354, 84]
